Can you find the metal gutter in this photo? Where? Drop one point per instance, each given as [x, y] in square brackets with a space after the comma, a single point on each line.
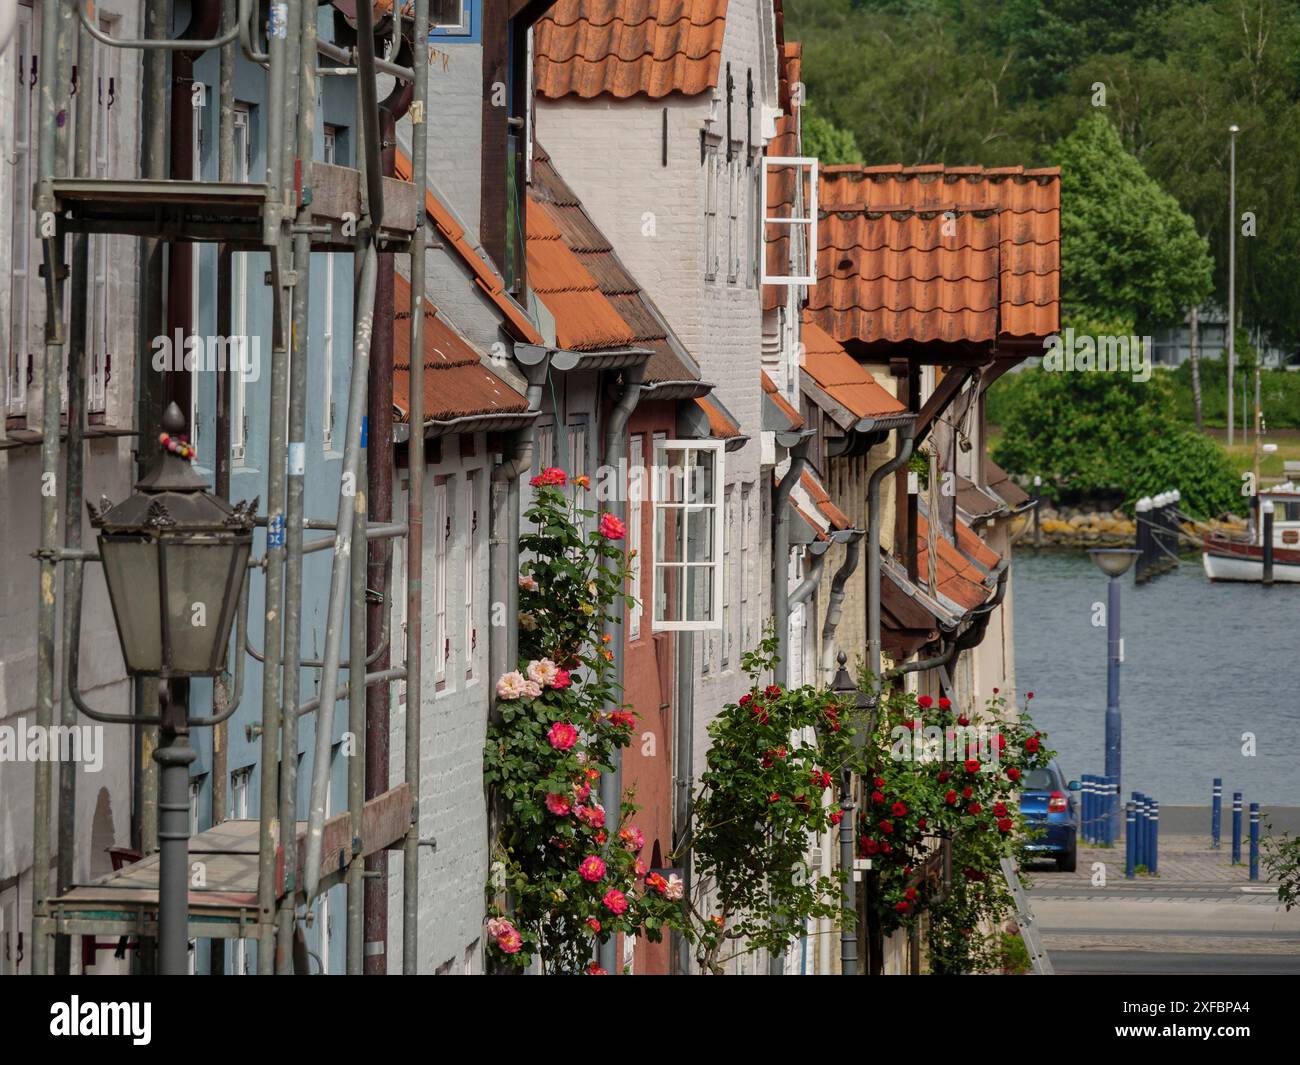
[873, 546]
[835, 600]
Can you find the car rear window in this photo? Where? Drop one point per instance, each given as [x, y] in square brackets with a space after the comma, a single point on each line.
[1039, 780]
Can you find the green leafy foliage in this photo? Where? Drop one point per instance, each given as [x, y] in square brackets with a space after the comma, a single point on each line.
[1093, 434]
[932, 778]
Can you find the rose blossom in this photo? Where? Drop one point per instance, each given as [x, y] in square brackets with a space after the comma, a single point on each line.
[592, 868]
[611, 528]
[1005, 825]
[593, 924]
[558, 804]
[562, 735]
[595, 970]
[562, 679]
[675, 888]
[532, 689]
[528, 582]
[615, 901]
[633, 839]
[542, 671]
[551, 476]
[508, 938]
[511, 685]
[594, 816]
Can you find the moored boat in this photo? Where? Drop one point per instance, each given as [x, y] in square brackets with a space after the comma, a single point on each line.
[1243, 560]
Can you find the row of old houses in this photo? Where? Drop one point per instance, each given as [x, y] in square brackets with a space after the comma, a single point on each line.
[629, 251]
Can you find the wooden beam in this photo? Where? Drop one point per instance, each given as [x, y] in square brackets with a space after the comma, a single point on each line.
[944, 393]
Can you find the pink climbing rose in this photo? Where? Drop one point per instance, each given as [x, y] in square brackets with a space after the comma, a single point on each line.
[592, 868]
[562, 735]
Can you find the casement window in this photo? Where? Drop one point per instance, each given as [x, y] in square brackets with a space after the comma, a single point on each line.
[728, 577]
[104, 140]
[239, 302]
[577, 452]
[686, 496]
[735, 239]
[198, 104]
[712, 192]
[635, 495]
[23, 69]
[747, 562]
[800, 225]
[330, 155]
[471, 523]
[441, 529]
[544, 446]
[451, 18]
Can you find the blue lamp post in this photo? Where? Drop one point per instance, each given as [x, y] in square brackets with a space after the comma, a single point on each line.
[1114, 562]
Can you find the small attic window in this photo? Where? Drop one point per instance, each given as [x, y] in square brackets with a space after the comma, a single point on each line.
[801, 222]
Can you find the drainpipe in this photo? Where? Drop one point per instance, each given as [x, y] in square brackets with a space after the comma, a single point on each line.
[835, 600]
[611, 784]
[873, 545]
[971, 638]
[781, 557]
[808, 585]
[503, 551]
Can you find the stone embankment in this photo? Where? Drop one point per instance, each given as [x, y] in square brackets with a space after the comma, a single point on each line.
[1081, 527]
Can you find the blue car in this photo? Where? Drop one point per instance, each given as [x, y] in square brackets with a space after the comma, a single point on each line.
[1048, 805]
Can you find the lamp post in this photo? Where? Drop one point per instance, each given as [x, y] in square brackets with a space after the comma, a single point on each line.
[174, 558]
[1114, 562]
[1233, 130]
[849, 694]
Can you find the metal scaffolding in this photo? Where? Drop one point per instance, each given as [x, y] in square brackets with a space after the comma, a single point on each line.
[259, 872]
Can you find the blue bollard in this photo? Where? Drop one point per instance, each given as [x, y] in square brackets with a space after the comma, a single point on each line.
[1236, 828]
[1140, 829]
[1153, 841]
[1112, 817]
[1254, 841]
[1216, 813]
[1089, 801]
[1130, 840]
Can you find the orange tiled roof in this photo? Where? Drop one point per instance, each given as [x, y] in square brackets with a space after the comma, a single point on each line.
[721, 427]
[819, 495]
[486, 279]
[456, 382]
[959, 578]
[623, 48]
[589, 245]
[841, 376]
[935, 253]
[584, 319]
[782, 404]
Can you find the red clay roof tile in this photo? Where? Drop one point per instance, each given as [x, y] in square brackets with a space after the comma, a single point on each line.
[842, 377]
[937, 253]
[624, 48]
[517, 323]
[720, 426]
[958, 577]
[457, 384]
[782, 404]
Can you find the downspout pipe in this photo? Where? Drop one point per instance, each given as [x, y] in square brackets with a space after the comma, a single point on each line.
[781, 552]
[906, 434]
[970, 638]
[835, 600]
[503, 551]
[611, 784]
[804, 590]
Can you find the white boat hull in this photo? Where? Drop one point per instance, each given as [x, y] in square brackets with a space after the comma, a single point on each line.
[1220, 567]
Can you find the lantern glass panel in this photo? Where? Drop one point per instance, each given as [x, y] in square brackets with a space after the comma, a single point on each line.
[198, 614]
[131, 571]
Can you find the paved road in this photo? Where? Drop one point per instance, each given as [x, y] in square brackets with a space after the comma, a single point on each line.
[1202, 915]
[1115, 963]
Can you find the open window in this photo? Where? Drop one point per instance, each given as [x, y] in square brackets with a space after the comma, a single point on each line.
[686, 495]
[789, 188]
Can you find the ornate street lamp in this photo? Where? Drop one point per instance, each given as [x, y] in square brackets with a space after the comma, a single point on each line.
[174, 559]
[1114, 562]
[848, 694]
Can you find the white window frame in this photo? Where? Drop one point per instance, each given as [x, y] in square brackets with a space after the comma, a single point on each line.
[19, 357]
[472, 535]
[659, 505]
[330, 155]
[746, 563]
[239, 297]
[441, 527]
[635, 496]
[808, 220]
[728, 574]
